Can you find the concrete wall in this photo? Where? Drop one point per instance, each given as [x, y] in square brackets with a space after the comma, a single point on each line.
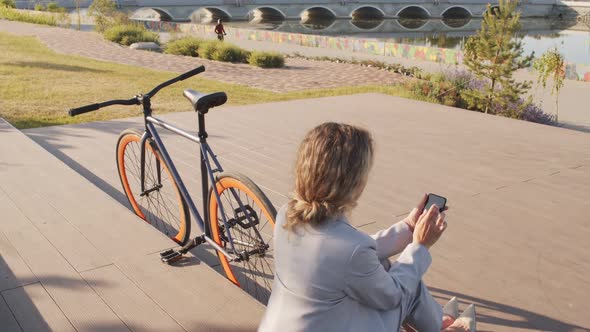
[243, 9]
[435, 8]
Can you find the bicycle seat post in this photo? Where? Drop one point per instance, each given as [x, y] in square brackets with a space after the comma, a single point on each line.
[202, 132]
[204, 173]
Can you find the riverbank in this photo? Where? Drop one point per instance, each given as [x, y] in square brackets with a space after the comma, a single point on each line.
[345, 45]
[573, 100]
[309, 74]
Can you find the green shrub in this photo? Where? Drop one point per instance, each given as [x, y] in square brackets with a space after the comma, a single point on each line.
[188, 46]
[207, 49]
[230, 53]
[54, 7]
[39, 7]
[128, 34]
[8, 3]
[15, 15]
[267, 60]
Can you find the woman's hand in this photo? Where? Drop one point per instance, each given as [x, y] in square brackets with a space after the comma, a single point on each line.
[412, 218]
[430, 227]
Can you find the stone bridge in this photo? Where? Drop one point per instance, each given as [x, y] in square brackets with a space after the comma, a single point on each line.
[247, 10]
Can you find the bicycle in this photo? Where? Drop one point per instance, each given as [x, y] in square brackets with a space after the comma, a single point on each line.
[236, 212]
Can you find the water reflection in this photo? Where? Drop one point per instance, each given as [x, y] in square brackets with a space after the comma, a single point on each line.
[366, 24]
[317, 23]
[456, 22]
[412, 23]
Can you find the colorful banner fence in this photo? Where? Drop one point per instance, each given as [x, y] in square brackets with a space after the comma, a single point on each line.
[358, 45]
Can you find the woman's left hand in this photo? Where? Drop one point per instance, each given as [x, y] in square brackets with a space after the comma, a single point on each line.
[413, 217]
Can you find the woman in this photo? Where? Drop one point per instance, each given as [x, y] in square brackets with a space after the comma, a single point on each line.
[330, 276]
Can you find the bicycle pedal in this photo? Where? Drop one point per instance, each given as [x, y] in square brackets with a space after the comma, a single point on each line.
[166, 253]
[172, 257]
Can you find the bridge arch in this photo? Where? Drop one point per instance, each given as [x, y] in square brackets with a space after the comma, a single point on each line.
[157, 14]
[456, 12]
[211, 14]
[367, 13]
[413, 12]
[317, 12]
[267, 12]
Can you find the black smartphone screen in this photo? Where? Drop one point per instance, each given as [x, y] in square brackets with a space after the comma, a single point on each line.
[435, 199]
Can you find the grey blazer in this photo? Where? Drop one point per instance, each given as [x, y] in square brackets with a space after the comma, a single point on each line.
[336, 278]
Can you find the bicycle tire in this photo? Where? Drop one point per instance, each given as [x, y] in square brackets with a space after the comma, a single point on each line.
[156, 207]
[244, 274]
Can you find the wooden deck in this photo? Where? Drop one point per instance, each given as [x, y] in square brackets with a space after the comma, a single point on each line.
[74, 259]
[517, 243]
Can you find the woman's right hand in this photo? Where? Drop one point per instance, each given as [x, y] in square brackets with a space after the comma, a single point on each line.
[429, 227]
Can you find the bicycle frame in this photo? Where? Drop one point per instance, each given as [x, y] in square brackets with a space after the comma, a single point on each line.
[207, 175]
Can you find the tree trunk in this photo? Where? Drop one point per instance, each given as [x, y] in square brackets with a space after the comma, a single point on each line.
[489, 102]
[557, 107]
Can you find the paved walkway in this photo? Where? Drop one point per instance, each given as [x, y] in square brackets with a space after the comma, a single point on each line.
[517, 243]
[299, 74]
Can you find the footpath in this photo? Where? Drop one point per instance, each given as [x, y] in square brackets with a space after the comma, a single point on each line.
[299, 74]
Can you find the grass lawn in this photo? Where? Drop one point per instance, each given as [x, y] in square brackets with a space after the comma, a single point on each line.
[38, 86]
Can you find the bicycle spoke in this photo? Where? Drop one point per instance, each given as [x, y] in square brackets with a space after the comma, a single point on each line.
[160, 204]
[249, 232]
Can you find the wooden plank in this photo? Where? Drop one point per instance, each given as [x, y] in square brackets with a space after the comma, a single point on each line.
[68, 240]
[14, 272]
[9, 323]
[193, 294]
[70, 292]
[131, 304]
[35, 310]
[109, 227]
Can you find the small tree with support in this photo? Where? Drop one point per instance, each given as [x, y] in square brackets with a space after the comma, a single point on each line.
[551, 65]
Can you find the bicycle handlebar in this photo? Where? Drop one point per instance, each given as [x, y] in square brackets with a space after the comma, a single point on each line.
[182, 77]
[94, 107]
[135, 100]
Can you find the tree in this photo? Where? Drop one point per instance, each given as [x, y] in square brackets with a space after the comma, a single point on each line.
[495, 53]
[103, 12]
[551, 65]
[8, 3]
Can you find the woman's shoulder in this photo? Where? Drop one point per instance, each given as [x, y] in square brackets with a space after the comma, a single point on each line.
[335, 229]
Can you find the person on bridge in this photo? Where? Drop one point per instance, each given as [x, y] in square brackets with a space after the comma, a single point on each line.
[329, 276]
[219, 30]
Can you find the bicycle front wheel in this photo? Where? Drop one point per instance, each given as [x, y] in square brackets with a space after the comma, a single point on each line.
[250, 218]
[160, 204]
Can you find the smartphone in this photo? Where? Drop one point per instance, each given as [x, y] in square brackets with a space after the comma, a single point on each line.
[432, 199]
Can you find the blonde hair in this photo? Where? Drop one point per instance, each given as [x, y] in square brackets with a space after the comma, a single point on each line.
[331, 172]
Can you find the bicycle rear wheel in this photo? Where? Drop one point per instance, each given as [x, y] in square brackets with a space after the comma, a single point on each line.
[161, 204]
[251, 218]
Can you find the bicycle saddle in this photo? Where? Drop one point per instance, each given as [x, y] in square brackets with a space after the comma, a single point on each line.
[203, 102]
